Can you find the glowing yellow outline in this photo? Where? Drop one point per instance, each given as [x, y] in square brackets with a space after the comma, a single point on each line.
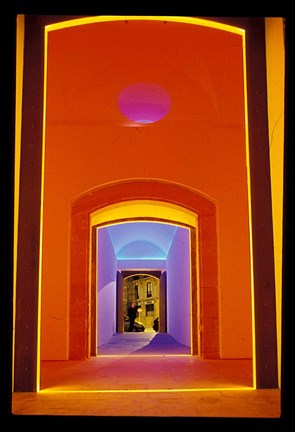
[249, 212]
[41, 215]
[107, 18]
[141, 355]
[124, 209]
[181, 390]
[185, 20]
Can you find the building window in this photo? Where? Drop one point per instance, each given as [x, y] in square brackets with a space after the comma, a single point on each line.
[149, 310]
[136, 292]
[149, 289]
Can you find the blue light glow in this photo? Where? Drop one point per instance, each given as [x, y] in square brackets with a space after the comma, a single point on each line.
[141, 250]
[150, 240]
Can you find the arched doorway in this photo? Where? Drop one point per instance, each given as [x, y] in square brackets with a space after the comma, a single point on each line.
[204, 250]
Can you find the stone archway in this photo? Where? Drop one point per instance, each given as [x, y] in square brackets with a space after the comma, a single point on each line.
[140, 189]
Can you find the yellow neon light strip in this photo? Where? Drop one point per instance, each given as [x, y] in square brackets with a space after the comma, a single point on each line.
[177, 390]
[250, 211]
[41, 213]
[143, 208]
[141, 355]
[107, 18]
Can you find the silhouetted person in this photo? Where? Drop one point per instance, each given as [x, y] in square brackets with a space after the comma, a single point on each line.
[156, 325]
[132, 311]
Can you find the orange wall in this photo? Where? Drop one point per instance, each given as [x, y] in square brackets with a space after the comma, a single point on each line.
[200, 144]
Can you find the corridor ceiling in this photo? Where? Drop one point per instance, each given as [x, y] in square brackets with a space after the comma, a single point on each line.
[142, 240]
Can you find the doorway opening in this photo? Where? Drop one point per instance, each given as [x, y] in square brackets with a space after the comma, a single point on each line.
[182, 207]
[148, 263]
[143, 290]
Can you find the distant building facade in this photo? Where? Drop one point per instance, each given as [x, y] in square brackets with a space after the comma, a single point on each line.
[143, 290]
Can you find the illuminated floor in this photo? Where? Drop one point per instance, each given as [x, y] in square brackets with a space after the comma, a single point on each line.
[147, 342]
[145, 373]
[161, 385]
[216, 403]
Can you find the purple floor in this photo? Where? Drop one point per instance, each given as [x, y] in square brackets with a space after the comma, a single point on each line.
[146, 343]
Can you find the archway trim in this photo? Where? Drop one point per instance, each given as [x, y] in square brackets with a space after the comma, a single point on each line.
[129, 191]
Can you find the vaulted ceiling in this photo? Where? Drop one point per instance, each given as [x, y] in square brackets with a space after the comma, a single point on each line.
[142, 240]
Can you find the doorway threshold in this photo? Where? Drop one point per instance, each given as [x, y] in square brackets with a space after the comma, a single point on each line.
[143, 343]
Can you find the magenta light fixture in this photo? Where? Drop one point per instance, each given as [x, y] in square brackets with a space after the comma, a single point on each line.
[144, 102]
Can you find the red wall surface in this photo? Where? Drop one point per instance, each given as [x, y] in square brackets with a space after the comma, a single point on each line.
[200, 144]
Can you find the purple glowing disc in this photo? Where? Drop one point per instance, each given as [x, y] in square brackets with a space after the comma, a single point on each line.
[144, 102]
